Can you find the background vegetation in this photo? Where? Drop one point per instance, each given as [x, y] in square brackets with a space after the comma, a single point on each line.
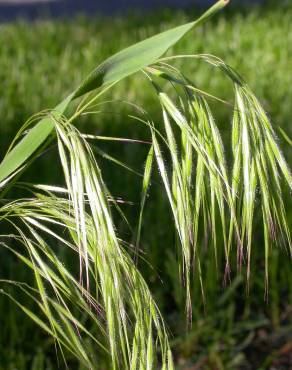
[41, 62]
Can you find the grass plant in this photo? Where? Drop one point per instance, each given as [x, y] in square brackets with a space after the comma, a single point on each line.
[95, 303]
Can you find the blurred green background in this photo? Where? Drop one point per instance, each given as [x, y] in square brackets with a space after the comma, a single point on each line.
[41, 62]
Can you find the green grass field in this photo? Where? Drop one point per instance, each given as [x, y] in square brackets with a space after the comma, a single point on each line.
[41, 62]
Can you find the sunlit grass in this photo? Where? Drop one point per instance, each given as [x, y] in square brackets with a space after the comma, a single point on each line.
[204, 194]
